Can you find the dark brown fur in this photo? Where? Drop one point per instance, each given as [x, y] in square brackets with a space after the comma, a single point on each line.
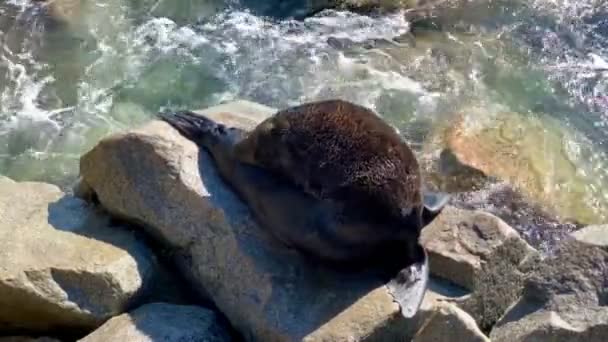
[329, 178]
[336, 150]
[333, 181]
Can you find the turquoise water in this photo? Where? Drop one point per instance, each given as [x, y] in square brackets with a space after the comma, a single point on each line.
[68, 79]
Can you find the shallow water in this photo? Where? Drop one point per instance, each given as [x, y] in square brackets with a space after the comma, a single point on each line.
[66, 79]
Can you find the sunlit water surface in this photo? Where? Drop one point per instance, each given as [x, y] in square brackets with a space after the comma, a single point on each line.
[112, 64]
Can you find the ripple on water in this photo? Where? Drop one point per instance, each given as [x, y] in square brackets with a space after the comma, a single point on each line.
[66, 85]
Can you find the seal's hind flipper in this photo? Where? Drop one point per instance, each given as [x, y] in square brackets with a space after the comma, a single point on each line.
[195, 127]
[434, 202]
[409, 286]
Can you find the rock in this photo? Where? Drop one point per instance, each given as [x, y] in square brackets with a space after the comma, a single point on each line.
[440, 318]
[444, 321]
[162, 322]
[158, 178]
[65, 11]
[63, 265]
[564, 299]
[460, 241]
[593, 235]
[378, 4]
[551, 164]
[480, 252]
[386, 5]
[535, 224]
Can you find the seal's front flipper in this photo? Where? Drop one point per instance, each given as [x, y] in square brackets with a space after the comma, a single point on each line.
[197, 128]
[188, 123]
[434, 202]
[409, 286]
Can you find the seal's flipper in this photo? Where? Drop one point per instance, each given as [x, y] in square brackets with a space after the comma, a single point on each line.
[434, 202]
[409, 286]
[195, 127]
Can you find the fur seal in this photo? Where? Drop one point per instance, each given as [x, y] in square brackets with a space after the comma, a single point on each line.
[330, 179]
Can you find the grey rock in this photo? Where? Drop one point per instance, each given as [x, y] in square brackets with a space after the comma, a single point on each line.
[162, 322]
[481, 253]
[564, 299]
[460, 241]
[63, 265]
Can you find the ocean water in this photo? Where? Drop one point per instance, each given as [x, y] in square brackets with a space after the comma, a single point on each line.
[73, 72]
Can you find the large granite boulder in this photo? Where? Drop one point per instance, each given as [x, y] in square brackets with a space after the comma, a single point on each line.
[481, 253]
[460, 241]
[162, 322]
[159, 179]
[65, 11]
[63, 265]
[564, 299]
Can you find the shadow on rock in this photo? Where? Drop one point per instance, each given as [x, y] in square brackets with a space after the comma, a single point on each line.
[74, 215]
[299, 287]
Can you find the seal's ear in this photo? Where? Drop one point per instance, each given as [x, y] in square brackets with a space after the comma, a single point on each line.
[434, 202]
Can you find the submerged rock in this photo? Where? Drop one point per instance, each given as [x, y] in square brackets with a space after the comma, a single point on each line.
[64, 11]
[156, 177]
[162, 322]
[548, 162]
[537, 226]
[564, 299]
[62, 265]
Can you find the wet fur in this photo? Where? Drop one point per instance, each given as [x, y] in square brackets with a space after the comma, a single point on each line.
[335, 150]
[329, 179]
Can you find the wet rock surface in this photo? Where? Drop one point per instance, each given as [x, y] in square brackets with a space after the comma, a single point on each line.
[530, 153]
[535, 224]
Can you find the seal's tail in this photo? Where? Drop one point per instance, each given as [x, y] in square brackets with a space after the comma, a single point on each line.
[195, 127]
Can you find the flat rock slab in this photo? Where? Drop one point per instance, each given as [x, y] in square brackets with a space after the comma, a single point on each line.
[62, 265]
[156, 177]
[162, 322]
[564, 299]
